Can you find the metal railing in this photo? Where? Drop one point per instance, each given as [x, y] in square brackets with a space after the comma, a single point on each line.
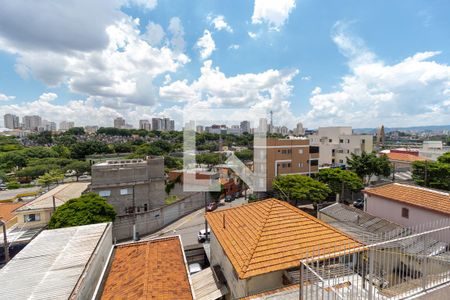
[396, 265]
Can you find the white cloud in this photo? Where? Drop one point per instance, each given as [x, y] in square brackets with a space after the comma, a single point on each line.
[234, 46]
[219, 23]
[306, 78]
[206, 45]
[275, 13]
[412, 91]
[4, 97]
[177, 30]
[146, 4]
[253, 35]
[154, 34]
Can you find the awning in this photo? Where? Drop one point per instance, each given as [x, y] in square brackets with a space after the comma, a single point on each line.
[205, 286]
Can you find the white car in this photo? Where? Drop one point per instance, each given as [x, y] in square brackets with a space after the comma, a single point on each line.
[202, 236]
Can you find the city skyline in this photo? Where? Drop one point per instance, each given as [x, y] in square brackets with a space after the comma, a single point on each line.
[139, 60]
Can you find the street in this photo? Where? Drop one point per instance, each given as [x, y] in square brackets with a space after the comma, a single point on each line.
[189, 226]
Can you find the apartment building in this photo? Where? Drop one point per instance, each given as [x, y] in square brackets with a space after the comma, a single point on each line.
[286, 156]
[66, 125]
[134, 185]
[11, 121]
[145, 125]
[31, 122]
[338, 143]
[245, 127]
[119, 122]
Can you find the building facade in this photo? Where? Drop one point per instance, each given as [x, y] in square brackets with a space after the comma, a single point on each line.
[119, 123]
[31, 122]
[135, 185]
[66, 125]
[245, 127]
[145, 125]
[338, 143]
[11, 121]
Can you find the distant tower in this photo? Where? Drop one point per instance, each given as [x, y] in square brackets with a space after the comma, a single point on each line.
[381, 137]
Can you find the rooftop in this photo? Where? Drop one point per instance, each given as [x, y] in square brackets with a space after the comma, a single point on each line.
[404, 157]
[413, 195]
[50, 266]
[6, 210]
[272, 235]
[154, 269]
[62, 194]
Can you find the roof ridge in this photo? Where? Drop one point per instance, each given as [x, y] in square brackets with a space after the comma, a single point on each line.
[272, 202]
[423, 189]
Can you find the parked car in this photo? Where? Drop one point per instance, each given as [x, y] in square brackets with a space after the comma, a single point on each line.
[202, 236]
[3, 187]
[194, 268]
[359, 203]
[229, 198]
[211, 206]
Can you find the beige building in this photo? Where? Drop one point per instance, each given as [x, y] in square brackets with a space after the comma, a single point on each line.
[38, 212]
[286, 156]
[338, 143]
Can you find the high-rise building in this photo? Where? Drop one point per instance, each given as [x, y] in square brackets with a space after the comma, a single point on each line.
[145, 125]
[66, 125]
[91, 129]
[157, 124]
[47, 126]
[299, 130]
[263, 125]
[200, 129]
[119, 122]
[284, 130]
[31, 122]
[166, 124]
[11, 121]
[172, 125]
[245, 126]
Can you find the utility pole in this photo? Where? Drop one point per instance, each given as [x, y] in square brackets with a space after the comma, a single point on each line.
[426, 173]
[206, 222]
[5, 242]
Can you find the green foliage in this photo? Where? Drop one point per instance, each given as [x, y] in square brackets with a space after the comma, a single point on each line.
[210, 158]
[367, 165]
[53, 176]
[61, 162]
[335, 178]
[13, 185]
[87, 209]
[173, 163]
[431, 174]
[244, 155]
[444, 158]
[171, 199]
[123, 147]
[65, 140]
[63, 151]
[171, 184]
[8, 143]
[81, 150]
[75, 131]
[155, 148]
[301, 188]
[39, 152]
[79, 167]
[113, 131]
[31, 172]
[13, 159]
[42, 138]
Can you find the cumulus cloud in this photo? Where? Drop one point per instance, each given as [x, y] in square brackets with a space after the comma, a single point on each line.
[219, 23]
[154, 34]
[274, 13]
[4, 97]
[206, 45]
[146, 4]
[177, 30]
[415, 90]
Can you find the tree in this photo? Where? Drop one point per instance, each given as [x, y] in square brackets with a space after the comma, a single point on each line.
[338, 179]
[53, 176]
[244, 155]
[87, 209]
[301, 188]
[432, 174]
[367, 165]
[81, 150]
[32, 172]
[13, 159]
[42, 138]
[75, 131]
[444, 158]
[79, 167]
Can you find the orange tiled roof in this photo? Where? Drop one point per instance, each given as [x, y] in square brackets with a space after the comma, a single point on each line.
[272, 235]
[404, 157]
[418, 196]
[153, 269]
[291, 287]
[6, 210]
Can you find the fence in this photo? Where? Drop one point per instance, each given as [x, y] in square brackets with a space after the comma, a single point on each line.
[402, 263]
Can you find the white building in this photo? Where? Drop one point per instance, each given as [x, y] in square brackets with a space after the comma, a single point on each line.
[31, 122]
[299, 130]
[91, 129]
[11, 121]
[336, 144]
[145, 125]
[433, 149]
[199, 129]
[245, 126]
[157, 124]
[119, 122]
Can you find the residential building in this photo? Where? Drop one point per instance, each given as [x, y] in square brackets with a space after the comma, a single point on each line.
[11, 121]
[284, 130]
[254, 245]
[433, 149]
[157, 124]
[154, 269]
[402, 161]
[286, 156]
[7, 214]
[66, 125]
[234, 129]
[172, 125]
[37, 213]
[62, 263]
[245, 127]
[145, 125]
[166, 124]
[135, 185]
[91, 129]
[407, 205]
[199, 129]
[47, 126]
[336, 144]
[31, 122]
[381, 136]
[299, 130]
[119, 122]
[262, 126]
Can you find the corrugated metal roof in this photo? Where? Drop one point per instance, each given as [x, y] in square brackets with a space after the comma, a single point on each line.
[50, 265]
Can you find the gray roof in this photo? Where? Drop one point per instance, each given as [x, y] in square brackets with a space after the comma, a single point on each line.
[50, 266]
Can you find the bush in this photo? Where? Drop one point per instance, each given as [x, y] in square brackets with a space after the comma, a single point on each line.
[13, 185]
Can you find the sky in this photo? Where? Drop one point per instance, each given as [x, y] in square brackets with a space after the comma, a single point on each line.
[322, 63]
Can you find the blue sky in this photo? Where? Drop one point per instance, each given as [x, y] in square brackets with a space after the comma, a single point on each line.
[359, 63]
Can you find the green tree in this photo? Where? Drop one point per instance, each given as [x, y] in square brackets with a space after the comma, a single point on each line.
[42, 138]
[14, 159]
[81, 150]
[301, 188]
[338, 180]
[173, 163]
[79, 167]
[32, 172]
[444, 158]
[367, 165]
[87, 209]
[431, 174]
[63, 151]
[53, 176]
[244, 155]
[75, 131]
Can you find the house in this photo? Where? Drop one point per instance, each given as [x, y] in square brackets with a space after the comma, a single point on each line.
[58, 264]
[255, 245]
[336, 144]
[402, 161]
[37, 213]
[407, 205]
[7, 214]
[154, 269]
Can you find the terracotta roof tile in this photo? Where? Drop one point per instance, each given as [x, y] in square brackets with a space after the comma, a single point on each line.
[272, 235]
[6, 210]
[404, 157]
[153, 269]
[291, 287]
[414, 195]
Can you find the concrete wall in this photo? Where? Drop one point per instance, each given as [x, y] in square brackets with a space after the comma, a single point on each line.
[265, 282]
[392, 211]
[45, 215]
[87, 283]
[155, 219]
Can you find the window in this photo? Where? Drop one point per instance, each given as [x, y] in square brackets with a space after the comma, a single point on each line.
[405, 213]
[341, 161]
[348, 141]
[106, 193]
[126, 191]
[145, 207]
[314, 162]
[300, 165]
[330, 140]
[313, 149]
[31, 218]
[300, 151]
[341, 141]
